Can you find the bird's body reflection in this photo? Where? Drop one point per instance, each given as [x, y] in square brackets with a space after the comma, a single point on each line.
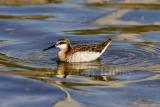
[96, 70]
[65, 69]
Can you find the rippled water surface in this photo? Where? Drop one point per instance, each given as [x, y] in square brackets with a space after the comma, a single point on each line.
[127, 75]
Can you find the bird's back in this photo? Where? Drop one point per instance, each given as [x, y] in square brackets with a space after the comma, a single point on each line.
[87, 52]
[91, 47]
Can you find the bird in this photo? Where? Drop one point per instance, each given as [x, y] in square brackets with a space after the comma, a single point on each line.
[79, 53]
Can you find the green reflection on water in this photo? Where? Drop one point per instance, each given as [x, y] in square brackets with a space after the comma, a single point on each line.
[127, 5]
[28, 2]
[6, 61]
[32, 17]
[135, 29]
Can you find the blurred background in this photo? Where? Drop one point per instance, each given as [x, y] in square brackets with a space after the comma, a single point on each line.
[127, 75]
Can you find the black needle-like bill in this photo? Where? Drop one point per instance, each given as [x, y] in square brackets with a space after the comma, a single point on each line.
[49, 48]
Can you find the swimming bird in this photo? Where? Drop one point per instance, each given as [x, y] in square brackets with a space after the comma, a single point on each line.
[79, 53]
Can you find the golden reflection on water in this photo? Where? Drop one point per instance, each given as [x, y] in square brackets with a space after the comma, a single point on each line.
[28, 17]
[127, 4]
[28, 2]
[75, 75]
[134, 29]
[65, 69]
[104, 77]
[103, 72]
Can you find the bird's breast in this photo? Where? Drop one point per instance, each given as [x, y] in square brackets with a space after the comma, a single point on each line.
[62, 56]
[83, 56]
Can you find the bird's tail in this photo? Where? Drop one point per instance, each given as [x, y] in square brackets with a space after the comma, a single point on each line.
[105, 45]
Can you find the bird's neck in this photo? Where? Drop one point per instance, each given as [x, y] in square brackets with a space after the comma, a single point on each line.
[63, 53]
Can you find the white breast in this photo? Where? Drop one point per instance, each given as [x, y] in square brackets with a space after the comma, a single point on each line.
[83, 56]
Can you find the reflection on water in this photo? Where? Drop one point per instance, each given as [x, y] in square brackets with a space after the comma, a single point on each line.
[35, 17]
[127, 74]
[120, 29]
[127, 4]
[65, 69]
[27, 2]
[98, 71]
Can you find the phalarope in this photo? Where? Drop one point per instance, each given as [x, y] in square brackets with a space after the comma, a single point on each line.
[79, 53]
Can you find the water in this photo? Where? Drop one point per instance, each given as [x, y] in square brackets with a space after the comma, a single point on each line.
[127, 75]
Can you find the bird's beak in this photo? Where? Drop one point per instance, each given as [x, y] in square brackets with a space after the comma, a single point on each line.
[49, 48]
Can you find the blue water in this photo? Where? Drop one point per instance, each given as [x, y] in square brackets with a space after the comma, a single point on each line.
[127, 74]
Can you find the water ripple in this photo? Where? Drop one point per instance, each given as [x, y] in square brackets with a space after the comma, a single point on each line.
[141, 56]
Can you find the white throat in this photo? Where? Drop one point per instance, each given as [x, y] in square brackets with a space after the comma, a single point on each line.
[62, 46]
